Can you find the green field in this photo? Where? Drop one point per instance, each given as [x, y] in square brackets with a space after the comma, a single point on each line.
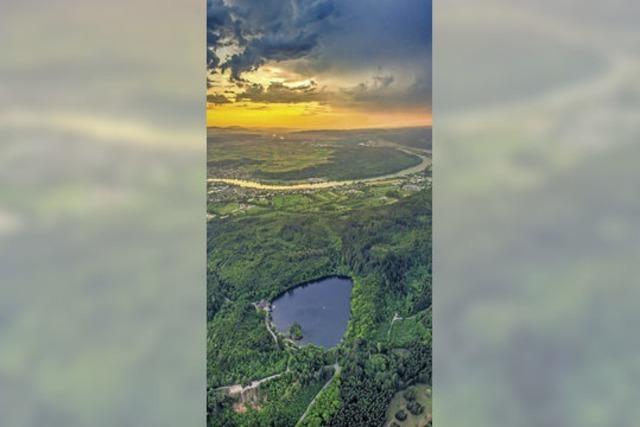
[399, 403]
[302, 156]
[404, 331]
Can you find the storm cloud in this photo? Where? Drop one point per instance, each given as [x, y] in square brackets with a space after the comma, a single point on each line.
[377, 33]
[381, 91]
[385, 45]
[217, 99]
[271, 30]
[279, 93]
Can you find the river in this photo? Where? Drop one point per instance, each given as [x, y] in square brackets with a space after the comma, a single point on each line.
[425, 162]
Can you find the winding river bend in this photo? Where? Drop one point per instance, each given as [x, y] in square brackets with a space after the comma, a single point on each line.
[322, 308]
[425, 162]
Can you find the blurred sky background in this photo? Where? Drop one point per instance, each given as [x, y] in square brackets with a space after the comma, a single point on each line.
[102, 213]
[537, 230]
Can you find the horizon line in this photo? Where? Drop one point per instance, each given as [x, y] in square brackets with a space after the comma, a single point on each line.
[318, 129]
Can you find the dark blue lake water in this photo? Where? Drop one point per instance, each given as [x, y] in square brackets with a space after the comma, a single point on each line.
[322, 309]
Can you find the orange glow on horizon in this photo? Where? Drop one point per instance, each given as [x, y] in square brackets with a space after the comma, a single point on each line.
[311, 116]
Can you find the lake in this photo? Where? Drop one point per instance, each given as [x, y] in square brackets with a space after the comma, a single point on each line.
[322, 309]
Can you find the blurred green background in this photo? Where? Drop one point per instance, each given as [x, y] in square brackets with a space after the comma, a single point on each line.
[102, 213]
[537, 231]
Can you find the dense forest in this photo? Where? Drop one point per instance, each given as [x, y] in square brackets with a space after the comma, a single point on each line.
[386, 249]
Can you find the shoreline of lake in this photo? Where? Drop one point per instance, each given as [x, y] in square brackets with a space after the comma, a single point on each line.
[322, 307]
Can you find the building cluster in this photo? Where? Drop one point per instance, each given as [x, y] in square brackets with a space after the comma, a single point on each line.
[246, 198]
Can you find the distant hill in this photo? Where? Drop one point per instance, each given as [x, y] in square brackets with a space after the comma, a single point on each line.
[417, 137]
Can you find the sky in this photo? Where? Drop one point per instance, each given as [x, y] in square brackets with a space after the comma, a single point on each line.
[319, 64]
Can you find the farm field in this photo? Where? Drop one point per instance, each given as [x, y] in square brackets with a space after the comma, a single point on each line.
[308, 156]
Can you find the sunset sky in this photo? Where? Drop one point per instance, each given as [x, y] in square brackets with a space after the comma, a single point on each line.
[319, 64]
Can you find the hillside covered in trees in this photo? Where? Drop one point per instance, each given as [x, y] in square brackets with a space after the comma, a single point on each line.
[380, 236]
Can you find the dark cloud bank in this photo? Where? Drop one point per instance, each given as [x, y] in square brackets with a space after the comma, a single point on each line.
[268, 30]
[278, 92]
[324, 36]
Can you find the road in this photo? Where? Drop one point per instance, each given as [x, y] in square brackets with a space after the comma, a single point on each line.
[275, 338]
[396, 317]
[237, 389]
[336, 372]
